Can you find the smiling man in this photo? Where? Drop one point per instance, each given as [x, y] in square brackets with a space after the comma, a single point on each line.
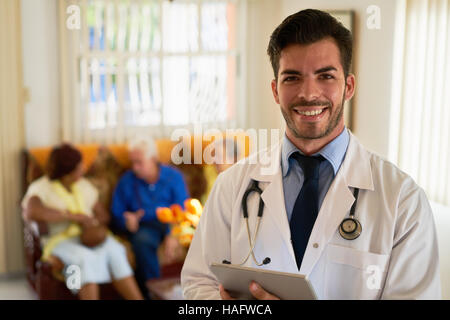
[311, 89]
[353, 223]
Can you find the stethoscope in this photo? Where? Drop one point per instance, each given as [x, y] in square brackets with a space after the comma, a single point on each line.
[350, 228]
[253, 188]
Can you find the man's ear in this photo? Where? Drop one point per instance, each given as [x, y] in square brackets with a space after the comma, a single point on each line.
[275, 90]
[349, 86]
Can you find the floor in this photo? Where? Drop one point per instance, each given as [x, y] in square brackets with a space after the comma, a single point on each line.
[16, 288]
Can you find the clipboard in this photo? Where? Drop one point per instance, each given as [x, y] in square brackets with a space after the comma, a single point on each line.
[288, 286]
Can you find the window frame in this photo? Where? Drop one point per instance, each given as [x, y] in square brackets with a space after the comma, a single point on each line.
[74, 119]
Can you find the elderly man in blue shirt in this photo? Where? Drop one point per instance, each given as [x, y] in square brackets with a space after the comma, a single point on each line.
[147, 186]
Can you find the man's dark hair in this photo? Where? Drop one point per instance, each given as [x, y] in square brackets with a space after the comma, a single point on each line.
[63, 160]
[306, 27]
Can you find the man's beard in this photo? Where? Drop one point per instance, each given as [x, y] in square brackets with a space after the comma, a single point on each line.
[334, 120]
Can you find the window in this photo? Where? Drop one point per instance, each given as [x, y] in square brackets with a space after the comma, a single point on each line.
[424, 114]
[150, 64]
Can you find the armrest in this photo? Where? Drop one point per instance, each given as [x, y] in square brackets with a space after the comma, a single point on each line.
[52, 268]
[34, 251]
[38, 229]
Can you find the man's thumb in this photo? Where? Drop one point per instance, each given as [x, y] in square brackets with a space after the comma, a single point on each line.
[140, 212]
[258, 292]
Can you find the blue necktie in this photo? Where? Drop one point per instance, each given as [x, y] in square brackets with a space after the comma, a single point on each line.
[306, 206]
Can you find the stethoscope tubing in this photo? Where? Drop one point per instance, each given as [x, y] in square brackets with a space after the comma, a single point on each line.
[253, 188]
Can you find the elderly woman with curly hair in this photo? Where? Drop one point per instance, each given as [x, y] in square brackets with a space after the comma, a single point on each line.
[77, 222]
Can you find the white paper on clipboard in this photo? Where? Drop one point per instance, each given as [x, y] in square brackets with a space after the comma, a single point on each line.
[288, 286]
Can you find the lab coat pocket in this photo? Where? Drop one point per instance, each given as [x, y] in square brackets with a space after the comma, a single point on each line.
[354, 274]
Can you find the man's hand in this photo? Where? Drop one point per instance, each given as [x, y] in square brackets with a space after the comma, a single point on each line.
[259, 293]
[224, 294]
[132, 220]
[170, 248]
[255, 289]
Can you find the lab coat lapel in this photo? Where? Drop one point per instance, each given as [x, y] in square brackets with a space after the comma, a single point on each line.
[356, 172]
[273, 196]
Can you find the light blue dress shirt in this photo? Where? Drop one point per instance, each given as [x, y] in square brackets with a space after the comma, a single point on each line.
[333, 152]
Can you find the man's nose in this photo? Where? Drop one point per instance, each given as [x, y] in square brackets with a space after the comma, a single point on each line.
[309, 90]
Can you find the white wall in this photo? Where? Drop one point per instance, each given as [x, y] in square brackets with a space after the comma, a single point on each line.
[263, 16]
[40, 65]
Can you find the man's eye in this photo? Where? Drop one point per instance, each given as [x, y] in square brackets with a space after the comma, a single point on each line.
[289, 79]
[326, 76]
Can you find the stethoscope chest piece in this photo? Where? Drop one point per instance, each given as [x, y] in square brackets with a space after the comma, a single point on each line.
[350, 228]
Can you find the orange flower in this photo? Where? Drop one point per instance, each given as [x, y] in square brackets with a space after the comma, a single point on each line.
[183, 222]
[164, 215]
[193, 206]
[176, 231]
[193, 219]
[185, 239]
[177, 212]
[185, 226]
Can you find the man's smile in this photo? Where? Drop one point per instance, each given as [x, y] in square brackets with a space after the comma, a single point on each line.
[310, 114]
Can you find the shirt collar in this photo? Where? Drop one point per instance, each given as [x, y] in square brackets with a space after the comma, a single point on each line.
[334, 151]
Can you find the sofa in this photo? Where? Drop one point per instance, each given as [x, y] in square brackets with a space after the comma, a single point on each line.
[104, 164]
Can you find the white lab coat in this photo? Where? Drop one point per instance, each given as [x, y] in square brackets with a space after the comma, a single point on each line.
[395, 257]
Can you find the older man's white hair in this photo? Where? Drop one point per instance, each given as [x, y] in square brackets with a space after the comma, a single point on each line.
[144, 143]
